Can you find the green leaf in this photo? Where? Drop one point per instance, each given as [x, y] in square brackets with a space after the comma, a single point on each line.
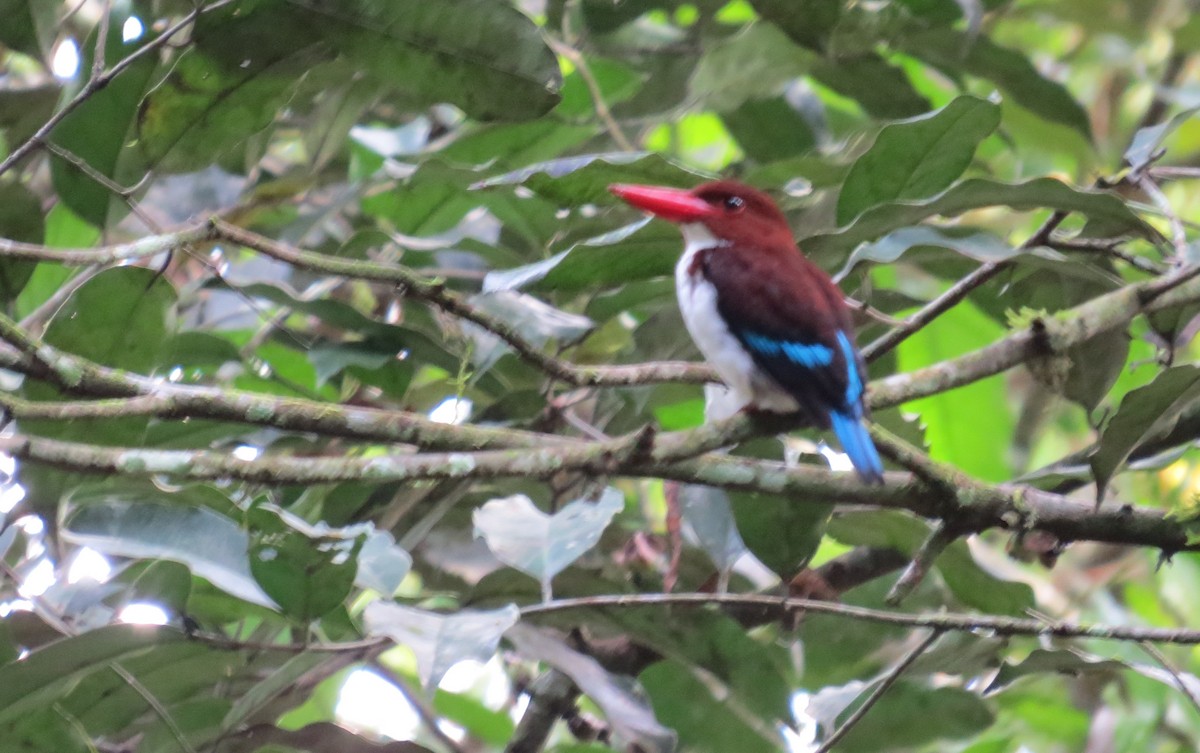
[752, 64]
[641, 251]
[683, 702]
[808, 22]
[615, 81]
[769, 129]
[443, 52]
[202, 110]
[1153, 407]
[29, 27]
[118, 318]
[977, 446]
[307, 572]
[98, 132]
[918, 158]
[971, 243]
[122, 318]
[1144, 147]
[1040, 193]
[439, 641]
[1053, 661]
[780, 532]
[1012, 72]
[20, 220]
[882, 89]
[49, 672]
[909, 715]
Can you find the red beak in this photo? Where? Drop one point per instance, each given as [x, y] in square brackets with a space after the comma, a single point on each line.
[671, 204]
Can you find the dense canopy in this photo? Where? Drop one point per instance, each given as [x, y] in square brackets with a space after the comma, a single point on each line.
[347, 410]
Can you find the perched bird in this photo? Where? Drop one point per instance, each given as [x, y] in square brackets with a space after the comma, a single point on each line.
[772, 323]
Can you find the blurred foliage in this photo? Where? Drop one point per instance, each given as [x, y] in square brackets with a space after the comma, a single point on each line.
[473, 141]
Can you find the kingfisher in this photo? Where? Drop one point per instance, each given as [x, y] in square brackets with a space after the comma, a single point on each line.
[771, 322]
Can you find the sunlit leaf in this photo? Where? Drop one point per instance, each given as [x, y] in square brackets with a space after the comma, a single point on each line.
[541, 545]
[210, 544]
[440, 641]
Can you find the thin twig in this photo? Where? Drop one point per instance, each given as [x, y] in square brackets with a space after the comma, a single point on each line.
[887, 682]
[956, 293]
[585, 72]
[1178, 234]
[1107, 247]
[1161, 658]
[939, 538]
[941, 621]
[159, 709]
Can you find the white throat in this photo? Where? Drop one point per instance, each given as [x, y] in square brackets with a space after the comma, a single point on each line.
[697, 237]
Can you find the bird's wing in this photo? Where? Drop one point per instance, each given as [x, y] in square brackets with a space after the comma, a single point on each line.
[792, 320]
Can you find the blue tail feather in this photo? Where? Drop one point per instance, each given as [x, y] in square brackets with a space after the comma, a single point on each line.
[856, 443]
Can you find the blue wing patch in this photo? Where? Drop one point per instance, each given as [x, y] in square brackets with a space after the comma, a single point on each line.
[853, 380]
[808, 355]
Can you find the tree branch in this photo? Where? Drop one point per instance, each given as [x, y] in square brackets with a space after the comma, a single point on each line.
[782, 608]
[978, 509]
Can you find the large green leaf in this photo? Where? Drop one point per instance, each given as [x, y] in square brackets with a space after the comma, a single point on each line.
[39, 678]
[203, 109]
[640, 251]
[98, 133]
[917, 158]
[1040, 193]
[123, 318]
[308, 574]
[808, 22]
[29, 26]
[443, 52]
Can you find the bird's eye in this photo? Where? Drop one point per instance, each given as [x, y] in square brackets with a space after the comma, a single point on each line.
[734, 203]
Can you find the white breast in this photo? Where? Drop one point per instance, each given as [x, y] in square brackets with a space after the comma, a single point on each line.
[698, 304]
